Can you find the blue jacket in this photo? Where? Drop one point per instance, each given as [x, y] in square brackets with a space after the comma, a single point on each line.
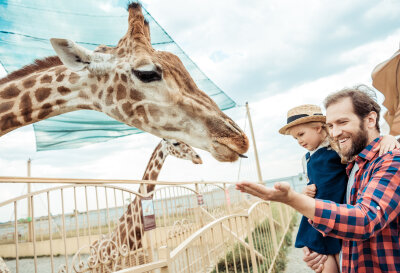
[325, 170]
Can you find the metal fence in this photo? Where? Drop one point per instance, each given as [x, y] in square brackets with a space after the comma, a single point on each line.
[96, 226]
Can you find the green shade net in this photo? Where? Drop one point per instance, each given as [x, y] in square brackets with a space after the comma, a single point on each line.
[25, 30]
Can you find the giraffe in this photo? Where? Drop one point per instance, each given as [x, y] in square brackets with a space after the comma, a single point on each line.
[131, 82]
[129, 229]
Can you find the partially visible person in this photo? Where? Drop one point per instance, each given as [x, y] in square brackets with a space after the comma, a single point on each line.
[369, 224]
[324, 169]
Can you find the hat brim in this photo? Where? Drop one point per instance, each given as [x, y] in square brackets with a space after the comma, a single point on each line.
[284, 129]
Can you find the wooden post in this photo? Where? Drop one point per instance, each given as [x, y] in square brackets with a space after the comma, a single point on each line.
[269, 209]
[254, 144]
[29, 214]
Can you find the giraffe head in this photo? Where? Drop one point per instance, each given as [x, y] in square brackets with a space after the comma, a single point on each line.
[152, 90]
[180, 150]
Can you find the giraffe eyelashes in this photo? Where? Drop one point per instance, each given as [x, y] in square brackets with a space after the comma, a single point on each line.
[176, 144]
[147, 76]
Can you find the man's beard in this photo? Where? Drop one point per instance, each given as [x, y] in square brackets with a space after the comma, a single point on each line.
[359, 142]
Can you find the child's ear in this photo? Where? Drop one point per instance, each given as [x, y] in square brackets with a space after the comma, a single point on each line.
[319, 129]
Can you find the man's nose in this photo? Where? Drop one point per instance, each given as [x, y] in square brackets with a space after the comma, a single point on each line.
[335, 131]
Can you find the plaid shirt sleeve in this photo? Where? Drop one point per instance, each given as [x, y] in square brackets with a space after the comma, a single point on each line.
[376, 206]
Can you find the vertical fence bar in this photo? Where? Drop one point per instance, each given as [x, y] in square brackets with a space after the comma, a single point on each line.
[76, 223]
[16, 237]
[64, 229]
[33, 232]
[50, 231]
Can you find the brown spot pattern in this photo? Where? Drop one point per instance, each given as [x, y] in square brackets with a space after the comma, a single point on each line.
[60, 78]
[63, 90]
[28, 83]
[73, 77]
[9, 121]
[116, 78]
[124, 78]
[121, 92]
[46, 79]
[46, 110]
[153, 175]
[83, 95]
[161, 154]
[93, 88]
[117, 113]
[42, 93]
[84, 106]
[100, 94]
[59, 102]
[109, 99]
[136, 95]
[127, 108]
[6, 106]
[25, 107]
[141, 112]
[10, 92]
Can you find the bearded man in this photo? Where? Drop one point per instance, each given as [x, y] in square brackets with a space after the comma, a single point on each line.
[369, 224]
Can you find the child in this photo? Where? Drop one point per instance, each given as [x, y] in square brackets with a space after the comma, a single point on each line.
[324, 168]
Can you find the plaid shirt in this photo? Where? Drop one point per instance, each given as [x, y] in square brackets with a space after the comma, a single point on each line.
[370, 224]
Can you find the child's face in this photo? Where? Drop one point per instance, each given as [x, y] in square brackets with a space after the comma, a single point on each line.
[307, 136]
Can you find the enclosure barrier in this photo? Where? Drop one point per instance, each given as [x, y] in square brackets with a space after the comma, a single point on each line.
[89, 225]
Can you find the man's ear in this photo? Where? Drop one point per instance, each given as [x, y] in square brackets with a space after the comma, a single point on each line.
[370, 119]
[73, 56]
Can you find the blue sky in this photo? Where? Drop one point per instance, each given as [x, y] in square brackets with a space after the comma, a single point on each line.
[274, 54]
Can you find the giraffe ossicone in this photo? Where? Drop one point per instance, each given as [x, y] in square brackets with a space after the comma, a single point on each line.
[132, 83]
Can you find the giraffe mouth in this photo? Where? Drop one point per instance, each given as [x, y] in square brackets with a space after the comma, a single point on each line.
[224, 153]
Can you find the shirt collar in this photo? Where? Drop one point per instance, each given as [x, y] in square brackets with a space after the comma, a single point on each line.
[367, 154]
[323, 144]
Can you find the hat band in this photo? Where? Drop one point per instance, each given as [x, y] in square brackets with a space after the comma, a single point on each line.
[295, 117]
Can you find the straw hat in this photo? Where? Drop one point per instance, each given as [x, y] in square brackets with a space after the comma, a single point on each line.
[302, 114]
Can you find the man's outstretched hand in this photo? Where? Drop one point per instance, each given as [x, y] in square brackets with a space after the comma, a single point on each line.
[281, 191]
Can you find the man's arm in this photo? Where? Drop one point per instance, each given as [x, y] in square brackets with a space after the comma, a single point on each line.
[281, 192]
[377, 205]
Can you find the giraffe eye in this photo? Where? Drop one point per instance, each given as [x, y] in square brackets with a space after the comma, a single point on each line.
[147, 76]
[176, 144]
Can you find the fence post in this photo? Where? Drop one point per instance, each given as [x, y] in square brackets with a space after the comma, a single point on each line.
[251, 244]
[199, 214]
[227, 199]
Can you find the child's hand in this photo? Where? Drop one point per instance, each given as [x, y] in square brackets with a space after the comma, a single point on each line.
[310, 190]
[387, 144]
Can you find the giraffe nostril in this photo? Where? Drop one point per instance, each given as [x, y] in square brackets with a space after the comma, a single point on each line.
[197, 156]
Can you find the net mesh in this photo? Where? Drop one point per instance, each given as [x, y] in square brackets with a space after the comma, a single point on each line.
[25, 30]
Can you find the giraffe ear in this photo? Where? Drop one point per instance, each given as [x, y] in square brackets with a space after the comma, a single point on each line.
[73, 56]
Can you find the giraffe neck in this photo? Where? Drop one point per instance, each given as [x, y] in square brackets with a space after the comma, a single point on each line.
[154, 166]
[44, 94]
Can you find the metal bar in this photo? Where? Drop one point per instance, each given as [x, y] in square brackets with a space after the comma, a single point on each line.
[64, 229]
[50, 232]
[33, 234]
[16, 237]
[254, 143]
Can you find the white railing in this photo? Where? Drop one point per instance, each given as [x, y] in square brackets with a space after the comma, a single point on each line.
[81, 227]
